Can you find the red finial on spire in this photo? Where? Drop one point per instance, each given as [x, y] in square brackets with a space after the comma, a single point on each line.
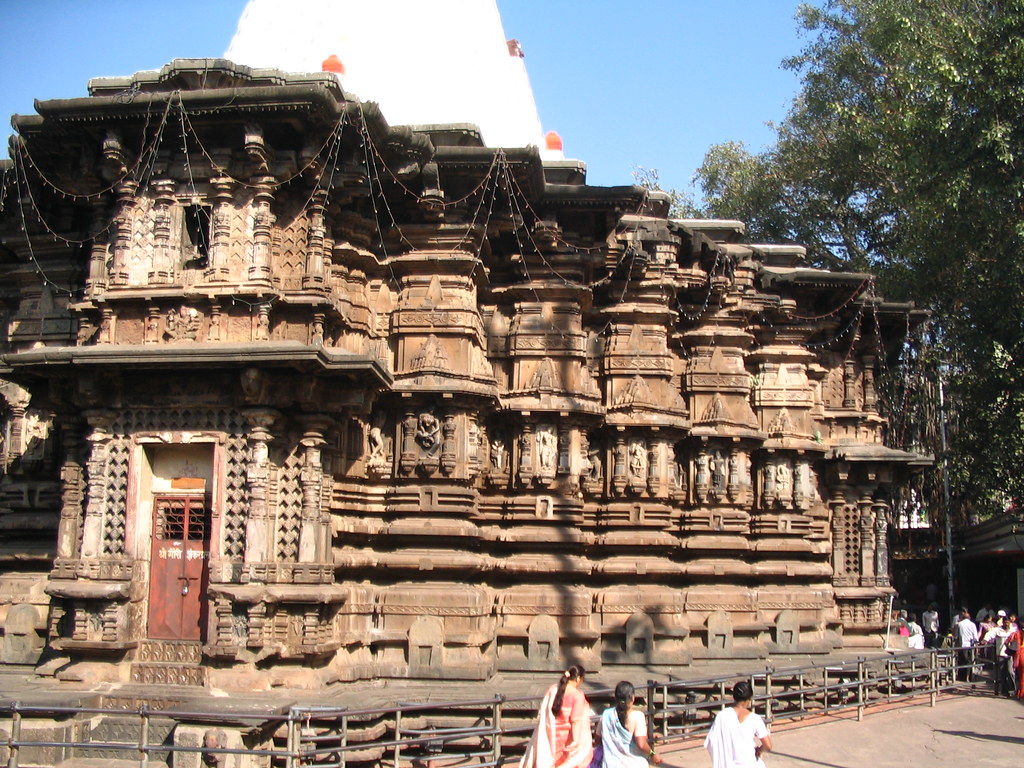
[333, 64]
[553, 141]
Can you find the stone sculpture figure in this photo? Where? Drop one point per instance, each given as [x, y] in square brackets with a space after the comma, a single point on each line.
[783, 480]
[716, 463]
[377, 461]
[498, 454]
[546, 447]
[428, 430]
[637, 459]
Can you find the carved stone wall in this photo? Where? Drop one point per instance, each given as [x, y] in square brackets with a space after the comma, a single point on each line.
[450, 411]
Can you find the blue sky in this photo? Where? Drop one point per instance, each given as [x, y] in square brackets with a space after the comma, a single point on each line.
[651, 83]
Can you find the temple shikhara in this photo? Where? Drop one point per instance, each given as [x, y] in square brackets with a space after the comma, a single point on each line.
[294, 395]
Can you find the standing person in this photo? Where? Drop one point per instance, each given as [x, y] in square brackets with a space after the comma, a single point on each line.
[986, 625]
[562, 736]
[965, 633]
[915, 640]
[738, 735]
[930, 625]
[622, 730]
[1002, 666]
[1015, 648]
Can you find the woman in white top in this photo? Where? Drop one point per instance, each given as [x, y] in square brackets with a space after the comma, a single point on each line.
[738, 735]
[915, 641]
[622, 731]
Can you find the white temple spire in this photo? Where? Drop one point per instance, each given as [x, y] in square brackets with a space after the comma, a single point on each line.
[442, 61]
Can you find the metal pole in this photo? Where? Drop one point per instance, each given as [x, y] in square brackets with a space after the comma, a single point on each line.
[496, 724]
[861, 673]
[888, 624]
[143, 736]
[933, 676]
[945, 494]
[14, 741]
[398, 737]
[292, 740]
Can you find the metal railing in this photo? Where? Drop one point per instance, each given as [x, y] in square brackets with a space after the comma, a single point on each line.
[482, 732]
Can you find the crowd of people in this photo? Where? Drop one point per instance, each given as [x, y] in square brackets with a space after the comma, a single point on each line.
[563, 738]
[991, 639]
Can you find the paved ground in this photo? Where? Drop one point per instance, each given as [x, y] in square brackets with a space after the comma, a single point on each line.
[968, 728]
[973, 730]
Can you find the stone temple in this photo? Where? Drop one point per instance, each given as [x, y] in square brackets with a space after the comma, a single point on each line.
[292, 395]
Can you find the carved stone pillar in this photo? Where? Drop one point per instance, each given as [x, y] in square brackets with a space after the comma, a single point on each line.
[106, 334]
[95, 507]
[214, 331]
[801, 489]
[732, 486]
[72, 477]
[658, 448]
[96, 282]
[314, 277]
[870, 396]
[867, 544]
[849, 384]
[316, 329]
[473, 443]
[18, 400]
[840, 542]
[526, 454]
[312, 548]
[263, 222]
[262, 332]
[162, 270]
[881, 510]
[619, 465]
[769, 492]
[702, 478]
[123, 232]
[259, 533]
[407, 463]
[564, 448]
[449, 455]
[152, 328]
[220, 229]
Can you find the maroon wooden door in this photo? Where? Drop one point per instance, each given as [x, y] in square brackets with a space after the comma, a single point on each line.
[178, 567]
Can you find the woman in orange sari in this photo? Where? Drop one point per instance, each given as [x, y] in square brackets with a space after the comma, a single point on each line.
[562, 737]
[1015, 650]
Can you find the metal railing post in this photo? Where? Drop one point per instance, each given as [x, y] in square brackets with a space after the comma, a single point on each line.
[15, 737]
[398, 736]
[651, 728]
[888, 680]
[768, 694]
[343, 747]
[861, 674]
[496, 726]
[291, 740]
[143, 736]
[933, 676]
[824, 680]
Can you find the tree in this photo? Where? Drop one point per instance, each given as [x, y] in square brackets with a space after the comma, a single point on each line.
[904, 154]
